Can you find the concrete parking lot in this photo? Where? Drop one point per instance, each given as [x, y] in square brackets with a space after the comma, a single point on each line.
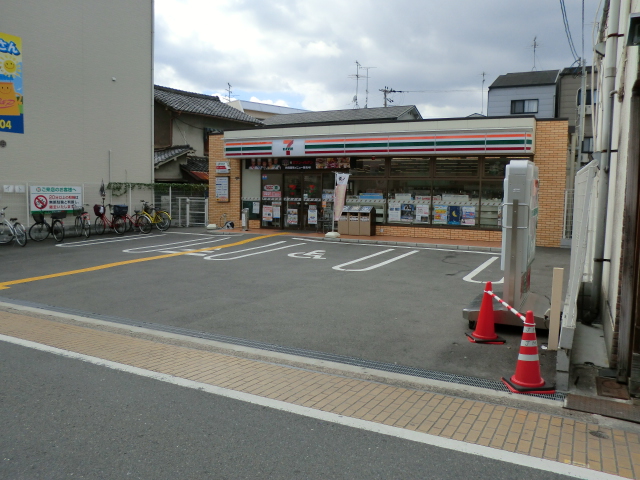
[394, 304]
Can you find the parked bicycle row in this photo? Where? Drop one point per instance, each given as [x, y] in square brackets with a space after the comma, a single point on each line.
[117, 220]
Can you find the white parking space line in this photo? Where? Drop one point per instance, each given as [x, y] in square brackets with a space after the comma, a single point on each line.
[215, 256]
[180, 246]
[92, 243]
[405, 247]
[470, 277]
[377, 265]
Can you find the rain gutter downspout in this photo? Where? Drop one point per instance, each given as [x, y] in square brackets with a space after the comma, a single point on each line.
[605, 142]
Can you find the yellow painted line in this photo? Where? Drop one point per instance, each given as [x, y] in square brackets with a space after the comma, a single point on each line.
[6, 285]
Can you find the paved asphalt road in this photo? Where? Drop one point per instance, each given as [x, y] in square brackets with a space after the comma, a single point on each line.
[64, 418]
[391, 304]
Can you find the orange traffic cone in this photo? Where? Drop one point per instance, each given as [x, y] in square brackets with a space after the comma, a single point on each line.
[527, 378]
[485, 331]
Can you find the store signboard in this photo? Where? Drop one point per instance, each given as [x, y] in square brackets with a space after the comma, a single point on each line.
[521, 184]
[11, 82]
[222, 189]
[47, 199]
[485, 142]
[223, 167]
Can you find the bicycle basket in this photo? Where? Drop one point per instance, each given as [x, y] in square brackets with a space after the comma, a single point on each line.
[60, 214]
[78, 211]
[38, 217]
[120, 210]
[98, 210]
[148, 209]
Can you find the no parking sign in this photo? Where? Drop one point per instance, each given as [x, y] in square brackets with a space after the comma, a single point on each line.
[45, 199]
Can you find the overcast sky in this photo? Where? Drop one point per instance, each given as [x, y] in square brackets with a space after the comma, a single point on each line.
[302, 53]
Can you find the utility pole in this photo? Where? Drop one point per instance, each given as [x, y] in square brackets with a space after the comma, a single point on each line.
[385, 91]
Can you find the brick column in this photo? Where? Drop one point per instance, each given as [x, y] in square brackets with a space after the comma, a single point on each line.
[551, 159]
[231, 208]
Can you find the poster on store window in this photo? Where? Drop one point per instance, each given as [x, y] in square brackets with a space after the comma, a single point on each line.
[407, 212]
[454, 215]
[422, 213]
[313, 217]
[292, 216]
[468, 215]
[256, 207]
[439, 214]
[276, 210]
[394, 213]
[267, 213]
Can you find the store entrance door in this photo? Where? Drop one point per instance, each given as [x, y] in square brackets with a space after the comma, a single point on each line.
[302, 194]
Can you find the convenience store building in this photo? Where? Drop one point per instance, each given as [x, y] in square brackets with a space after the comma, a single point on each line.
[439, 179]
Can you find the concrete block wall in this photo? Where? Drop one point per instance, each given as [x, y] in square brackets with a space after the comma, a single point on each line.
[550, 157]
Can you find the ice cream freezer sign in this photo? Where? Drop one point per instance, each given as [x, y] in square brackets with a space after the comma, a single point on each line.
[54, 199]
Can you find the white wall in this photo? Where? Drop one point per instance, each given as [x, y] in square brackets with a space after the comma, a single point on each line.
[499, 103]
[74, 113]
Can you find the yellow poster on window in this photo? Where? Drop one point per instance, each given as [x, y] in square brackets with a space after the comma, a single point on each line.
[11, 95]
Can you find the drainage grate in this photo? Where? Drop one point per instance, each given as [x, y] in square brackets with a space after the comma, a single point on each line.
[330, 357]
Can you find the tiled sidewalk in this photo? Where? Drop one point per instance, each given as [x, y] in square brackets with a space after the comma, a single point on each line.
[515, 430]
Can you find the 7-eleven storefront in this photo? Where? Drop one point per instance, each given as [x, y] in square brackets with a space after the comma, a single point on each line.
[440, 179]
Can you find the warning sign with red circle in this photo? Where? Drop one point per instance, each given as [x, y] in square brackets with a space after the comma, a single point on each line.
[47, 199]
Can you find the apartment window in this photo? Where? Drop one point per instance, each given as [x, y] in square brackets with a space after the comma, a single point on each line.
[589, 97]
[587, 145]
[524, 106]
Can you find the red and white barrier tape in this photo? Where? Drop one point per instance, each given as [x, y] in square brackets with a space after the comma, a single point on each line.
[509, 307]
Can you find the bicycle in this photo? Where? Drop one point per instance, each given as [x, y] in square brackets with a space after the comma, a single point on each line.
[9, 232]
[160, 218]
[116, 223]
[83, 221]
[41, 230]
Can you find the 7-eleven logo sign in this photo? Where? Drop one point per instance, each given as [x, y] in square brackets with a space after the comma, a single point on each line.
[288, 146]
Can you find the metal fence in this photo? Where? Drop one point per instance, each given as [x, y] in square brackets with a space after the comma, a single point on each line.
[188, 207]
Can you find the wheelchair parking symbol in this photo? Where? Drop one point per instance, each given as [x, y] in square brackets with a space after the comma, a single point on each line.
[314, 255]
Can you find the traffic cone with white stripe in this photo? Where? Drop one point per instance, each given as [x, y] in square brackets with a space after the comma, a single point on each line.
[527, 378]
[485, 331]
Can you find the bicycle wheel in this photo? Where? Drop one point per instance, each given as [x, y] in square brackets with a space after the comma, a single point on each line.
[144, 224]
[39, 231]
[134, 223]
[78, 226]
[100, 225]
[6, 235]
[21, 234]
[128, 222]
[164, 221]
[86, 227]
[57, 230]
[119, 225]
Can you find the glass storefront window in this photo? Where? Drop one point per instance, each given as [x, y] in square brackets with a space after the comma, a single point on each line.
[410, 167]
[455, 202]
[494, 167]
[490, 204]
[457, 167]
[367, 167]
[410, 201]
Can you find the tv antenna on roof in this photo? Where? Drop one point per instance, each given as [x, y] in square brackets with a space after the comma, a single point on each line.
[535, 46]
[357, 77]
[228, 92]
[366, 101]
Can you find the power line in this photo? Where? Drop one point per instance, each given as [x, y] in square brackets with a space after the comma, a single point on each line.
[568, 30]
